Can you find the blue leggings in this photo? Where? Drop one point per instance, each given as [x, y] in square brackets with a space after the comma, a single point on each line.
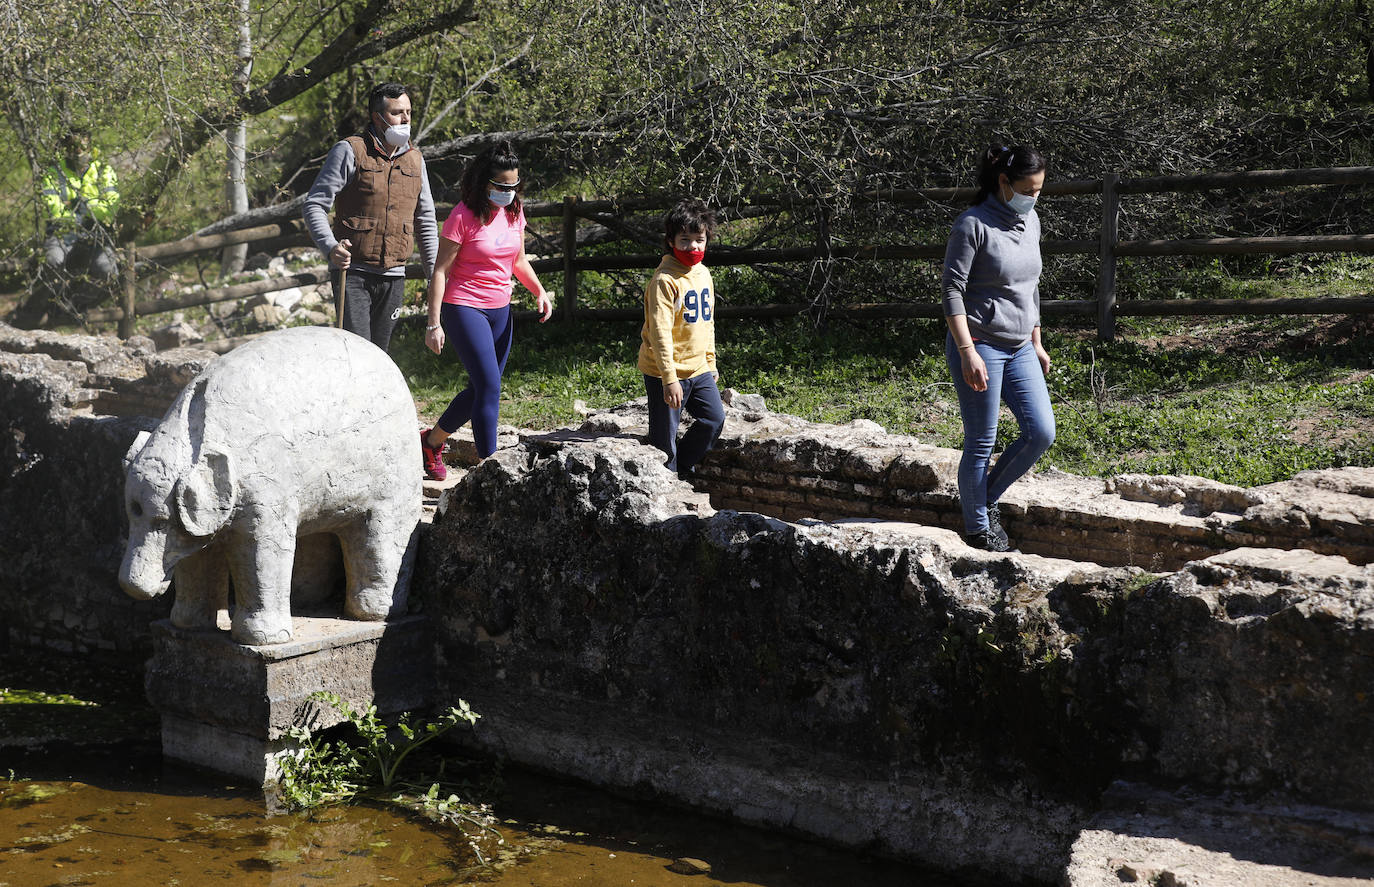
[482, 338]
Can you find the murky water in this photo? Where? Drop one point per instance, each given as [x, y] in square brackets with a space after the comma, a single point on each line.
[68, 833]
[85, 799]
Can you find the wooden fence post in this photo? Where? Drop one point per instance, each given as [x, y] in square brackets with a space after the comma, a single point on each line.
[570, 255]
[1106, 275]
[128, 276]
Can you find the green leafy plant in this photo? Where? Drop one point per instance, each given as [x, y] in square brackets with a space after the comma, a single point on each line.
[322, 772]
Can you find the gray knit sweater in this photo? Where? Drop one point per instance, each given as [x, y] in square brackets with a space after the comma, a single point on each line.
[992, 272]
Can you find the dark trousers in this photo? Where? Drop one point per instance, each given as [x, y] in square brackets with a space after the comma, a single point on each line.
[372, 304]
[701, 400]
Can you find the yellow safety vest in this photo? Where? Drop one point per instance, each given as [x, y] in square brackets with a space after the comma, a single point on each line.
[77, 198]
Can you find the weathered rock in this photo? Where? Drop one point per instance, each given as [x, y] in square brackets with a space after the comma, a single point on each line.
[288, 298]
[1150, 837]
[175, 335]
[688, 865]
[265, 316]
[1197, 495]
[223, 309]
[749, 403]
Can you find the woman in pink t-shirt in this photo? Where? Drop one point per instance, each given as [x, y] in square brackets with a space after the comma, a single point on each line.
[482, 244]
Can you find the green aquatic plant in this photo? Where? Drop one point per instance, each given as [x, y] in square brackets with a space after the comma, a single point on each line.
[321, 772]
[381, 752]
[458, 813]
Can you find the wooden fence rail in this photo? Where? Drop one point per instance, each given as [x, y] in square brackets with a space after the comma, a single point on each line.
[609, 214]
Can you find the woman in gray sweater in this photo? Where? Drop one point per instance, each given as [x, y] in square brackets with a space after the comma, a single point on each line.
[991, 288]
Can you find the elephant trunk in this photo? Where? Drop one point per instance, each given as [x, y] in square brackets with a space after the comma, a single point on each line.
[143, 575]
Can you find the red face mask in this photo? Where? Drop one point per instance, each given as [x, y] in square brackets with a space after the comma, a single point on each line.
[689, 257]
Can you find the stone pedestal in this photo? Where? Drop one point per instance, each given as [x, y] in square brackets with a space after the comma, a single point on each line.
[227, 707]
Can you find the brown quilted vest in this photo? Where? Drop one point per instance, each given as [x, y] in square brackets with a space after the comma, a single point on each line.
[376, 211]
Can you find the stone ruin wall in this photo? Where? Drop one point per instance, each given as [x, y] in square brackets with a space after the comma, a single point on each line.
[870, 680]
[70, 406]
[878, 682]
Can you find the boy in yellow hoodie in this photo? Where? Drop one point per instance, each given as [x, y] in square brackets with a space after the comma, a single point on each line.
[677, 350]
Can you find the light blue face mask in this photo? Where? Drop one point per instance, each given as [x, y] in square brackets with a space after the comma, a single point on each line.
[1022, 204]
[500, 198]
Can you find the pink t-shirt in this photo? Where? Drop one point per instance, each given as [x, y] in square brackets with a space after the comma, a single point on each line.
[481, 274]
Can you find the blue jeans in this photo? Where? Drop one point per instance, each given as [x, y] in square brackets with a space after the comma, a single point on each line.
[1014, 376]
[482, 338]
[701, 399]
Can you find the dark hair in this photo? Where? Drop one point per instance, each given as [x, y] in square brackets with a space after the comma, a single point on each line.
[691, 214]
[1016, 162]
[473, 187]
[381, 93]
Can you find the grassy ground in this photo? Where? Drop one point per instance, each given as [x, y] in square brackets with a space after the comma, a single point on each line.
[1246, 400]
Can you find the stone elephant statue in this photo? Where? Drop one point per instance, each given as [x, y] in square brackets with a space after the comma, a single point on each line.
[302, 434]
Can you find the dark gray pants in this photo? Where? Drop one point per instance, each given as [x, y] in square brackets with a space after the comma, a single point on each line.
[372, 304]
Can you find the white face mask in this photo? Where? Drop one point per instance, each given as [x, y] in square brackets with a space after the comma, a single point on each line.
[499, 197]
[397, 136]
[1022, 204]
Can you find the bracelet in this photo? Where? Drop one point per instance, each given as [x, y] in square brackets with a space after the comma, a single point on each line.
[966, 347]
[430, 329]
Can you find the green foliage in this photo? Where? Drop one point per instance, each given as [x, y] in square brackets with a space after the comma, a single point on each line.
[803, 97]
[321, 772]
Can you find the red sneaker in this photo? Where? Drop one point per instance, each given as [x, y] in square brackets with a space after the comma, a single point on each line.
[432, 457]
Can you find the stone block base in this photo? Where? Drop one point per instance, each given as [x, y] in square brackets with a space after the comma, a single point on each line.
[224, 751]
[227, 706]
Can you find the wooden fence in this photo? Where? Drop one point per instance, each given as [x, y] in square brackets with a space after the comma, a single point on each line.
[609, 215]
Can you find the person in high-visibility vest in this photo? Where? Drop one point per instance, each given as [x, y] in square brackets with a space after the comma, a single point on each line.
[81, 196]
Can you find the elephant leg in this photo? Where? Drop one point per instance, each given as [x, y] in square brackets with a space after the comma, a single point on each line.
[377, 556]
[201, 583]
[260, 562]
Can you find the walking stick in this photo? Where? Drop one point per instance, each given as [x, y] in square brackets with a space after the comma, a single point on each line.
[343, 296]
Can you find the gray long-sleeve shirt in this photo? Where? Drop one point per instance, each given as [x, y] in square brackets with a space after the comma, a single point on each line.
[338, 170]
[992, 272]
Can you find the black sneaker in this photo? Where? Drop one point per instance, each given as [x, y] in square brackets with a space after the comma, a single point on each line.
[995, 525]
[988, 542]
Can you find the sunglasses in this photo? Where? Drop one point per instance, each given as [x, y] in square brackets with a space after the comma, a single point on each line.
[504, 186]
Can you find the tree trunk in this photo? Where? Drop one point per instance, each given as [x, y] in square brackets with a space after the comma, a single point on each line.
[236, 146]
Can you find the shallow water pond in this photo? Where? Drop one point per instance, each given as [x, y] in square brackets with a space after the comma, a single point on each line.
[86, 799]
[146, 824]
[68, 833]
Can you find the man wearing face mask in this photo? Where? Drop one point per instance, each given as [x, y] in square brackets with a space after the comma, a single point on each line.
[378, 187]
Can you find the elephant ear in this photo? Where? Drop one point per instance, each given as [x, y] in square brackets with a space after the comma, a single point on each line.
[206, 494]
[139, 443]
